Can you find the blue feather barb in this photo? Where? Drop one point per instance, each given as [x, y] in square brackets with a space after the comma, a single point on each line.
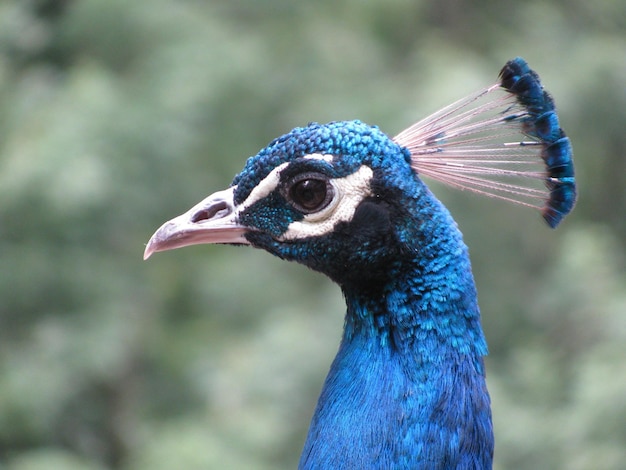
[504, 141]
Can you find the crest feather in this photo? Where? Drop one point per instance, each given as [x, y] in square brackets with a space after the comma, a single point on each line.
[503, 141]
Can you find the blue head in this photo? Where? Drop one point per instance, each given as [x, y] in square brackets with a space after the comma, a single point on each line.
[340, 198]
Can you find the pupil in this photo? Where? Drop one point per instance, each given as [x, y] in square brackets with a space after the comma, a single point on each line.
[310, 193]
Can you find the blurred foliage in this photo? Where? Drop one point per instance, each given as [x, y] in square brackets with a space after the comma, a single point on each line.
[117, 115]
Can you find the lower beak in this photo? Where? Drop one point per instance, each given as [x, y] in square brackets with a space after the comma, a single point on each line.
[213, 220]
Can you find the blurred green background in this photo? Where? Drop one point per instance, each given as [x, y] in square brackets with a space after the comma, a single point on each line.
[117, 115]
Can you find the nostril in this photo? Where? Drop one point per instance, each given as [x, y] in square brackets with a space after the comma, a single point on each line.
[216, 210]
[201, 215]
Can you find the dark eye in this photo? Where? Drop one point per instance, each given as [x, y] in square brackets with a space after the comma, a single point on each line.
[310, 193]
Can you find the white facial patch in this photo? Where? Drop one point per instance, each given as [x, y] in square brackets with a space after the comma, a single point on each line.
[349, 192]
[264, 188]
[319, 156]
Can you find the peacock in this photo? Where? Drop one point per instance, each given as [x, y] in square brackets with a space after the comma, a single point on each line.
[407, 386]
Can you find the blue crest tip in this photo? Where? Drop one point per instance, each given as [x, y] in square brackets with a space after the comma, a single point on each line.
[542, 124]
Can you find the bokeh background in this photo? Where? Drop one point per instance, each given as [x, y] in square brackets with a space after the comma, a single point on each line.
[117, 115]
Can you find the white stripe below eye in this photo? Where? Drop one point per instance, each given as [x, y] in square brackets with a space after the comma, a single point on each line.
[349, 192]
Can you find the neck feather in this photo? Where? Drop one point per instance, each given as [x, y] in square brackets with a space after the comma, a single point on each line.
[407, 388]
[428, 311]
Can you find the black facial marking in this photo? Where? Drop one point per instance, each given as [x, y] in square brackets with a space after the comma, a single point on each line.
[364, 249]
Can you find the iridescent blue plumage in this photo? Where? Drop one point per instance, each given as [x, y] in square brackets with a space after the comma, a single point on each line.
[407, 388]
[543, 123]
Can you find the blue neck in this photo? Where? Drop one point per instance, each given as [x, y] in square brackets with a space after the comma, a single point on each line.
[407, 388]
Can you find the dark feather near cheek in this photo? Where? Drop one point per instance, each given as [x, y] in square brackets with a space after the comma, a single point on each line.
[271, 215]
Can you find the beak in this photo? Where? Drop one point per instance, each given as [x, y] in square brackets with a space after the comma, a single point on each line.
[213, 220]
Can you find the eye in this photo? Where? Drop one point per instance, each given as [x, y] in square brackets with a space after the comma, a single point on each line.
[309, 193]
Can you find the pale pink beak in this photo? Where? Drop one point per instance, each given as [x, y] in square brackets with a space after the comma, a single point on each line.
[213, 220]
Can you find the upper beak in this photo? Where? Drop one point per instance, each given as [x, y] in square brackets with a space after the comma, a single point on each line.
[213, 220]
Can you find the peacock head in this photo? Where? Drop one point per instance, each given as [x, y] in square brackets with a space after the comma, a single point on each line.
[335, 197]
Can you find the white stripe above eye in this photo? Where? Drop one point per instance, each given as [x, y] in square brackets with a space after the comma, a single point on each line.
[271, 181]
[264, 188]
[319, 156]
[349, 192]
